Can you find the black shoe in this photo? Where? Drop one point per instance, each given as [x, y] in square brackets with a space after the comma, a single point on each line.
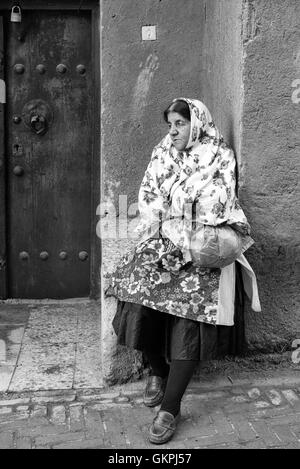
[154, 391]
[163, 427]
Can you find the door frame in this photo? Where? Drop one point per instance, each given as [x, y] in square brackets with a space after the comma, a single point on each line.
[95, 247]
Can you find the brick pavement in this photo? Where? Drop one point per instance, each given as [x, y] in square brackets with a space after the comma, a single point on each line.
[244, 416]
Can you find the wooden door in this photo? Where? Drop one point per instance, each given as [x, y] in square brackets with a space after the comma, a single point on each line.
[48, 154]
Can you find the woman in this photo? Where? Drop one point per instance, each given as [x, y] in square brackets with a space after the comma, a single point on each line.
[172, 309]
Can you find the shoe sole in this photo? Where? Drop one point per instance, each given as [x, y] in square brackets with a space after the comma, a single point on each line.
[160, 442]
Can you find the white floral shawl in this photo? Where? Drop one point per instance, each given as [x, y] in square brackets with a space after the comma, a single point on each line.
[203, 174]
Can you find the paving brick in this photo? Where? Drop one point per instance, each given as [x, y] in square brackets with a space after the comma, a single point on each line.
[113, 428]
[133, 429]
[36, 431]
[58, 415]
[242, 427]
[205, 395]
[52, 399]
[83, 444]
[295, 429]
[109, 405]
[21, 415]
[173, 444]
[284, 433]
[237, 390]
[76, 421]
[253, 393]
[255, 444]
[206, 441]
[6, 440]
[57, 394]
[273, 412]
[122, 399]
[141, 419]
[261, 404]
[294, 445]
[5, 411]
[139, 400]
[99, 397]
[14, 424]
[192, 428]
[12, 402]
[39, 421]
[265, 433]
[290, 396]
[22, 408]
[24, 443]
[221, 423]
[274, 397]
[39, 411]
[198, 409]
[231, 407]
[94, 427]
[54, 439]
[239, 398]
[288, 419]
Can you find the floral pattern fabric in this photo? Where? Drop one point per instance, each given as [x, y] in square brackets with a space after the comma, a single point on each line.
[155, 275]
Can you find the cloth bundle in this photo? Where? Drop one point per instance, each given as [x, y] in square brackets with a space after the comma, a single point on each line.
[215, 246]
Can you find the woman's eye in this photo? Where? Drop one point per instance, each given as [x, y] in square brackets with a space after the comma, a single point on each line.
[177, 124]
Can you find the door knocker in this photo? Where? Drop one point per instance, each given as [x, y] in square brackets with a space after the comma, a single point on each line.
[37, 116]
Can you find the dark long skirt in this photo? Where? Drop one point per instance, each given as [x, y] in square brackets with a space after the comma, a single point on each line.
[176, 338]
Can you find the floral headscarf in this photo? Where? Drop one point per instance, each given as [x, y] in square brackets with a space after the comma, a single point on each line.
[202, 175]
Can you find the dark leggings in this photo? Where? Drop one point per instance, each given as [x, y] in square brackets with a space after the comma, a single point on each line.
[179, 374]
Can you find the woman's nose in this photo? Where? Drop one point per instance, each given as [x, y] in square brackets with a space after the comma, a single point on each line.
[173, 130]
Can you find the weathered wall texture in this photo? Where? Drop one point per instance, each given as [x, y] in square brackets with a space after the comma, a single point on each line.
[270, 161]
[197, 54]
[220, 49]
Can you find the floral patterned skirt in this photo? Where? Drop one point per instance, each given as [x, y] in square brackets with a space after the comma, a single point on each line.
[155, 275]
[176, 338]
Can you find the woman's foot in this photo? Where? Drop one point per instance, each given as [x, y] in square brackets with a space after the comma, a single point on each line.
[163, 427]
[154, 391]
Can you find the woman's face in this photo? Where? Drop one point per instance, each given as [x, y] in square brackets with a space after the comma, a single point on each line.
[179, 130]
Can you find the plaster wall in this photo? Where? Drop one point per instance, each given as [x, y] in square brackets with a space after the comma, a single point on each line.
[220, 48]
[270, 165]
